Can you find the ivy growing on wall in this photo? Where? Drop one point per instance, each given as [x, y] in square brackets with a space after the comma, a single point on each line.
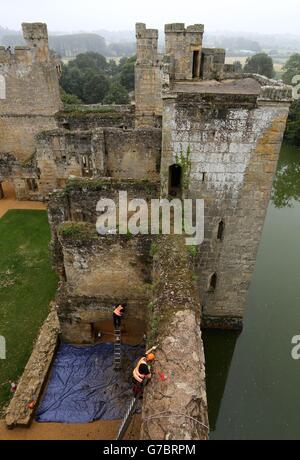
[184, 161]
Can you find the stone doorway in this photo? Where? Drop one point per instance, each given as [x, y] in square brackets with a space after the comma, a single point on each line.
[7, 191]
[196, 64]
[175, 180]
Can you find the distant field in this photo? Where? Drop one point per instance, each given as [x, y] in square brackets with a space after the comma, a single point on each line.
[230, 60]
[27, 285]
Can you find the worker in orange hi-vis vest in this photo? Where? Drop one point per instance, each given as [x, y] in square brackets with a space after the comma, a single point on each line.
[119, 310]
[142, 372]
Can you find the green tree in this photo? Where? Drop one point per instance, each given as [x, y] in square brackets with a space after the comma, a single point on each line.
[117, 94]
[72, 80]
[127, 73]
[292, 133]
[91, 78]
[95, 87]
[261, 64]
[291, 68]
[69, 99]
[90, 60]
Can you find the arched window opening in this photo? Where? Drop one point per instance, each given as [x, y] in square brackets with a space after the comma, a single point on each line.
[175, 180]
[87, 168]
[212, 282]
[2, 87]
[221, 229]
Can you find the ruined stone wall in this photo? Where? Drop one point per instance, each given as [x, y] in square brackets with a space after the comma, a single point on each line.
[62, 153]
[97, 272]
[17, 133]
[213, 63]
[20, 174]
[175, 407]
[79, 199]
[99, 152]
[30, 92]
[86, 118]
[148, 77]
[34, 376]
[234, 142]
[133, 154]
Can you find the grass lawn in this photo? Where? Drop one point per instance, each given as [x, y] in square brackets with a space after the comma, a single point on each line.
[27, 285]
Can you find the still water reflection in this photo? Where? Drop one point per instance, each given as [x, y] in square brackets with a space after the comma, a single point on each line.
[253, 383]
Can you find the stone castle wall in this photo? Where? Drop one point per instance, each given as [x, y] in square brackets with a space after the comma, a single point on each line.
[112, 152]
[97, 272]
[233, 141]
[175, 408]
[181, 43]
[30, 92]
[148, 77]
[100, 272]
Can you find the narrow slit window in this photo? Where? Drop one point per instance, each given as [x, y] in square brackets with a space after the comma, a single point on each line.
[221, 229]
[213, 282]
[175, 180]
[2, 87]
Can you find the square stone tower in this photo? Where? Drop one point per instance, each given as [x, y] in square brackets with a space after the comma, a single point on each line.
[29, 95]
[184, 45]
[148, 77]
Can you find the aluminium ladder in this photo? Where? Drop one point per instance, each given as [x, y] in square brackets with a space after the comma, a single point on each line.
[117, 349]
[130, 413]
[127, 418]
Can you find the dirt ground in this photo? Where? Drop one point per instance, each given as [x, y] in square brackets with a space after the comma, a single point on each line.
[9, 201]
[101, 430]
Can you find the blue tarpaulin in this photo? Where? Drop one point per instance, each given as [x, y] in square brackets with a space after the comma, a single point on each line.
[84, 386]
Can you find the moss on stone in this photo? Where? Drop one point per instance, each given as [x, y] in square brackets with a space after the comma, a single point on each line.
[77, 231]
[99, 183]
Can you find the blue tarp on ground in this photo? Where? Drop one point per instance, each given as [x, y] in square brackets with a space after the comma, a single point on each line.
[84, 386]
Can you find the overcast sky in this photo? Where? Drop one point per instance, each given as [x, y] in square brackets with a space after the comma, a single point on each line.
[264, 16]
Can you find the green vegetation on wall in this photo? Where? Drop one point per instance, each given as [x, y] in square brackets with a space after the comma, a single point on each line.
[184, 161]
[292, 69]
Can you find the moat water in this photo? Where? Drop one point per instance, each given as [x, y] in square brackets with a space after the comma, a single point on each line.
[253, 383]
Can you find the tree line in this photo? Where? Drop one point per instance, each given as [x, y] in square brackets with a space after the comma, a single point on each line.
[71, 45]
[91, 79]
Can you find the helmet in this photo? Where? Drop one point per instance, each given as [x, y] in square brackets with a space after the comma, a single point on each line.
[151, 357]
